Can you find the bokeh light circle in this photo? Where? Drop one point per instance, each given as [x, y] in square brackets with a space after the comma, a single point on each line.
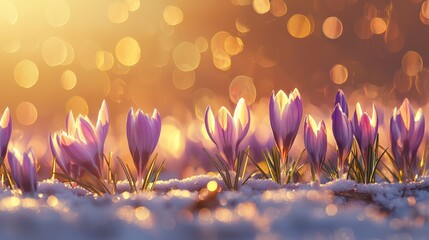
[378, 25]
[26, 113]
[299, 26]
[202, 44]
[233, 45]
[8, 12]
[172, 15]
[412, 63]
[338, 74]
[278, 8]
[54, 51]
[68, 80]
[57, 12]
[117, 12]
[242, 87]
[133, 5]
[332, 27]
[261, 6]
[186, 56]
[26, 73]
[128, 51]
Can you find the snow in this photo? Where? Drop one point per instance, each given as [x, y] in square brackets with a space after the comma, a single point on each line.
[185, 209]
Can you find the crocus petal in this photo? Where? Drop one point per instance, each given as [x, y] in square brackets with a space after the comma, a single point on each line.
[340, 98]
[130, 132]
[29, 171]
[419, 130]
[102, 126]
[242, 119]
[5, 132]
[395, 136]
[342, 131]
[210, 123]
[58, 154]
[80, 153]
[365, 130]
[86, 132]
[156, 128]
[275, 116]
[322, 140]
[14, 158]
[70, 124]
[23, 170]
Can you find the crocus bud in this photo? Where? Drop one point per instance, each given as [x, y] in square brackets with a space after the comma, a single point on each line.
[5, 132]
[143, 133]
[315, 142]
[343, 134]
[365, 129]
[340, 98]
[285, 117]
[23, 170]
[228, 131]
[406, 134]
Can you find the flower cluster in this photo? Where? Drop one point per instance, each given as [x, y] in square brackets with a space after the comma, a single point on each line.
[81, 146]
[79, 149]
[285, 111]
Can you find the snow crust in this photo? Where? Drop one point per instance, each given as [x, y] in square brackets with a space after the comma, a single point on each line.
[184, 209]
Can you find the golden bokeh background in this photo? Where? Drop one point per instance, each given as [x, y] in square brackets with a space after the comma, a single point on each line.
[181, 56]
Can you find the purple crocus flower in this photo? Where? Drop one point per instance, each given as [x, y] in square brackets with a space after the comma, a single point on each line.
[315, 142]
[228, 131]
[5, 132]
[343, 134]
[64, 162]
[406, 134]
[23, 170]
[340, 98]
[143, 133]
[83, 143]
[365, 130]
[285, 117]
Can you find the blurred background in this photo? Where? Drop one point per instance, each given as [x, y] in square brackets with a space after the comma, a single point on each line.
[181, 56]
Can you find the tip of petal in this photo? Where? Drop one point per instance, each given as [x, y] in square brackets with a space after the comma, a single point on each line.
[296, 94]
[223, 116]
[338, 107]
[103, 114]
[311, 123]
[155, 114]
[406, 113]
[419, 116]
[358, 111]
[6, 118]
[209, 120]
[242, 114]
[281, 100]
[374, 119]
